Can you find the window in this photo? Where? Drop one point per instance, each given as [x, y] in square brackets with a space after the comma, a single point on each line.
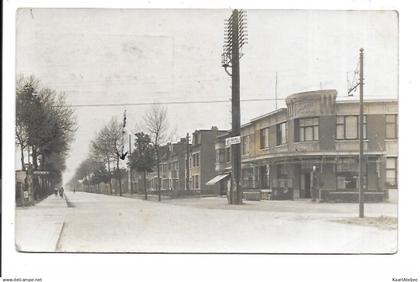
[228, 154]
[264, 138]
[391, 171]
[347, 170]
[245, 145]
[391, 126]
[196, 159]
[281, 132]
[348, 127]
[220, 155]
[308, 129]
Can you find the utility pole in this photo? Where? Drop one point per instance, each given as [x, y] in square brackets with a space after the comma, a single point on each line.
[361, 157]
[360, 84]
[130, 175]
[187, 164]
[235, 38]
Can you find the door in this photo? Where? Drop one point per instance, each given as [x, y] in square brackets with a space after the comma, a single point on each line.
[305, 185]
[263, 177]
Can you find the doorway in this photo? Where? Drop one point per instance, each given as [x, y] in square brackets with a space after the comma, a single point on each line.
[305, 185]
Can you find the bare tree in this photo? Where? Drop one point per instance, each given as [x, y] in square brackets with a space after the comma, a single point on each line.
[157, 125]
[106, 146]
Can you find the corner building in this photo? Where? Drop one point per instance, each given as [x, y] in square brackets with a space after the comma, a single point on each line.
[311, 149]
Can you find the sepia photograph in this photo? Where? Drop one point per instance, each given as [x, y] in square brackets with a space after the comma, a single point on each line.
[210, 131]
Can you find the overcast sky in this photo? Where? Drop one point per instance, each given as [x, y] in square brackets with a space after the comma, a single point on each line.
[99, 56]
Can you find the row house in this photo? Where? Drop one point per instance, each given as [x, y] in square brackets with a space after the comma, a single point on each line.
[173, 164]
[172, 167]
[203, 158]
[310, 149]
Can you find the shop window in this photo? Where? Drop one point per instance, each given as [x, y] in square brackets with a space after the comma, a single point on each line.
[391, 126]
[281, 133]
[348, 127]
[347, 171]
[264, 138]
[391, 171]
[308, 129]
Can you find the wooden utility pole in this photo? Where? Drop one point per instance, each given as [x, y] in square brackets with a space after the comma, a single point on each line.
[187, 164]
[130, 175]
[235, 38]
[361, 157]
[235, 149]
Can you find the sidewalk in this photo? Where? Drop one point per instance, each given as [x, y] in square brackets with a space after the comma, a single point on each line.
[38, 227]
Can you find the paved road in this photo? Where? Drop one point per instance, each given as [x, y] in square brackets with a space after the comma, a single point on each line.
[101, 223]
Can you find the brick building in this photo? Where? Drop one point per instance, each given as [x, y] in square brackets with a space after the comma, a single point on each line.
[310, 149]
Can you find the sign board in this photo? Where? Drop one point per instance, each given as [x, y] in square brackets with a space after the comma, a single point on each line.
[20, 176]
[232, 140]
[40, 172]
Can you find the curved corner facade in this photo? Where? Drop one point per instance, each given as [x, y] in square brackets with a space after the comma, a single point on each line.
[310, 149]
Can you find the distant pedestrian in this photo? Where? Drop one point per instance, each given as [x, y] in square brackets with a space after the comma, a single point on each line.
[61, 192]
[74, 190]
[56, 191]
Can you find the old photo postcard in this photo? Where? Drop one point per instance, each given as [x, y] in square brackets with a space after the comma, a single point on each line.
[206, 131]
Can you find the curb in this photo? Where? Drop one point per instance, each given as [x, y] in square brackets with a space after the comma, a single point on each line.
[57, 244]
[69, 204]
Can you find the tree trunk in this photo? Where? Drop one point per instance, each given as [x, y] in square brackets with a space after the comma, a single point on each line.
[34, 158]
[145, 185]
[109, 175]
[22, 157]
[158, 172]
[119, 176]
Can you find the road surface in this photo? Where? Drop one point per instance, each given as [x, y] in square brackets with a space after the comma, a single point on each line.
[103, 223]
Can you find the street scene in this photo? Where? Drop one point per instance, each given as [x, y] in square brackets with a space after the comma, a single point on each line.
[206, 131]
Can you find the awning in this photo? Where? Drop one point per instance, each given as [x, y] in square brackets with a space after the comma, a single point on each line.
[216, 179]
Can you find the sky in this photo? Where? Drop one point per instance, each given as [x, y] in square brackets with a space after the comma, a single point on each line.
[106, 56]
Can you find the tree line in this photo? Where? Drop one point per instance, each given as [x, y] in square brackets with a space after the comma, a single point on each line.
[45, 128]
[104, 159]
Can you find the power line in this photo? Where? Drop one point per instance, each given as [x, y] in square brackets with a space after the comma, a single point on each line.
[186, 102]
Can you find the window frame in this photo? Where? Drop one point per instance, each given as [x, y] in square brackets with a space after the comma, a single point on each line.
[227, 153]
[394, 169]
[264, 138]
[280, 135]
[303, 129]
[395, 123]
[245, 147]
[344, 125]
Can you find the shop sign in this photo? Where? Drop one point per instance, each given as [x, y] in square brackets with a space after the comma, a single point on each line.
[40, 172]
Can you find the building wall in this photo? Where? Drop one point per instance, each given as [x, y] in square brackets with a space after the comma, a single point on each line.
[325, 152]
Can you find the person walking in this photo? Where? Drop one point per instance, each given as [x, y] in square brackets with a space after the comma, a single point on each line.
[56, 191]
[61, 192]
